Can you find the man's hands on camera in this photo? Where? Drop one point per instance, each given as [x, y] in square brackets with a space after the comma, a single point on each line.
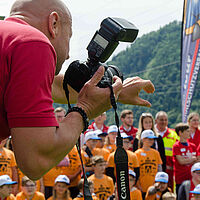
[94, 100]
[131, 89]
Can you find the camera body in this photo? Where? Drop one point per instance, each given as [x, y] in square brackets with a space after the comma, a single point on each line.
[100, 48]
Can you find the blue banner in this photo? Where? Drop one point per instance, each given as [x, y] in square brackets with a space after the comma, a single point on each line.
[190, 53]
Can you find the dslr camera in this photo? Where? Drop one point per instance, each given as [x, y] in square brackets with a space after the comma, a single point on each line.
[100, 48]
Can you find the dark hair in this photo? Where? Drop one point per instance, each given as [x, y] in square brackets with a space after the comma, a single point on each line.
[181, 127]
[126, 112]
[97, 159]
[81, 182]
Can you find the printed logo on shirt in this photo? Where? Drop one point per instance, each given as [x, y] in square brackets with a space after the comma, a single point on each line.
[183, 149]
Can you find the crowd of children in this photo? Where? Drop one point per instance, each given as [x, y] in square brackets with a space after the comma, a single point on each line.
[163, 163]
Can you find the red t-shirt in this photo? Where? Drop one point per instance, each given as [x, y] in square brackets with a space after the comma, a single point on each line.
[196, 139]
[27, 68]
[132, 132]
[183, 172]
[92, 127]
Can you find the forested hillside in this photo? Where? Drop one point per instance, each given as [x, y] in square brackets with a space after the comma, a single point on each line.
[156, 56]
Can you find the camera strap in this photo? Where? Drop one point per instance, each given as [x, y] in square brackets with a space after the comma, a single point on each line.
[120, 158]
[86, 190]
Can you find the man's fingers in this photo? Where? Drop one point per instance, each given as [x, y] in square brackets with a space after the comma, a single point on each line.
[142, 102]
[148, 86]
[117, 86]
[97, 76]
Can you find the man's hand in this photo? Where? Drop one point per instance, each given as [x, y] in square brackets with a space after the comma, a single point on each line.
[131, 89]
[95, 100]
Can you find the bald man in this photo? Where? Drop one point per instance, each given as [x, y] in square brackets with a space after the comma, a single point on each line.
[34, 43]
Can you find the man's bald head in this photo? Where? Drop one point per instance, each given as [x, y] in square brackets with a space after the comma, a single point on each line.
[34, 11]
[51, 17]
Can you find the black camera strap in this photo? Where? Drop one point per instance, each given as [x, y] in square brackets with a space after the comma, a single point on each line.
[120, 158]
[86, 190]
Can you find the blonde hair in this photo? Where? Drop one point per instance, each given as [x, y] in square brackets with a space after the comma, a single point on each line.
[66, 196]
[59, 109]
[141, 128]
[191, 115]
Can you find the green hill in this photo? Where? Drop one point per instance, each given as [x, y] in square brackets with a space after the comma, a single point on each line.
[156, 56]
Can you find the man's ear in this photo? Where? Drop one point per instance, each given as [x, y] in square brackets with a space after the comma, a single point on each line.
[53, 24]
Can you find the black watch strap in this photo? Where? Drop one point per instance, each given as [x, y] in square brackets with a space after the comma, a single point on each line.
[82, 113]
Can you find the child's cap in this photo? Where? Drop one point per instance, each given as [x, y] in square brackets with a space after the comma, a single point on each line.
[195, 167]
[91, 135]
[62, 179]
[132, 173]
[112, 128]
[6, 180]
[100, 133]
[148, 134]
[196, 190]
[162, 177]
[124, 136]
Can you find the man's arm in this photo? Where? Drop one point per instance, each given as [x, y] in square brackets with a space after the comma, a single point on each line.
[129, 94]
[58, 93]
[38, 149]
[185, 161]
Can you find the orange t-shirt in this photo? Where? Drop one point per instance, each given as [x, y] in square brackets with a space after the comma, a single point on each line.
[110, 147]
[86, 159]
[37, 196]
[51, 175]
[94, 197]
[20, 176]
[7, 161]
[104, 187]
[132, 160]
[135, 194]
[148, 161]
[73, 167]
[11, 197]
[101, 152]
[51, 198]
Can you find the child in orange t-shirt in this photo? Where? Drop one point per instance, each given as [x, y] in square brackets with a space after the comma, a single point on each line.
[149, 161]
[133, 163]
[103, 185]
[60, 190]
[91, 187]
[135, 194]
[6, 188]
[29, 191]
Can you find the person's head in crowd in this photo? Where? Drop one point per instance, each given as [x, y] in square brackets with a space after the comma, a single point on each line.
[99, 165]
[161, 181]
[193, 121]
[132, 178]
[169, 196]
[6, 186]
[195, 172]
[126, 140]
[126, 117]
[161, 120]
[102, 136]
[183, 131]
[91, 139]
[28, 187]
[112, 133]
[196, 192]
[147, 138]
[60, 189]
[146, 122]
[90, 184]
[99, 121]
[57, 25]
[60, 113]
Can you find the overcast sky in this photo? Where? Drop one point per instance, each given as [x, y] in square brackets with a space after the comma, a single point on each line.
[146, 15]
